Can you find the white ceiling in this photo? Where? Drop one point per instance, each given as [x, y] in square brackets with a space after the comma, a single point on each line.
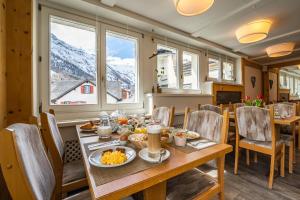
[219, 23]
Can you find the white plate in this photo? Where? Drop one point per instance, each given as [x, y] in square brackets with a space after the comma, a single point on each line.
[95, 157]
[143, 154]
[191, 135]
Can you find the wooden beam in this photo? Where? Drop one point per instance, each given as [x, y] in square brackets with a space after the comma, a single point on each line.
[285, 64]
[19, 60]
[2, 64]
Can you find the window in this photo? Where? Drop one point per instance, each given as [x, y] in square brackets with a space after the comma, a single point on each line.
[87, 89]
[167, 67]
[121, 68]
[214, 68]
[228, 71]
[72, 62]
[190, 70]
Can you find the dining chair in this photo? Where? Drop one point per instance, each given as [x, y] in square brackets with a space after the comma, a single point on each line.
[164, 114]
[26, 167]
[194, 184]
[288, 133]
[232, 132]
[256, 126]
[217, 109]
[70, 175]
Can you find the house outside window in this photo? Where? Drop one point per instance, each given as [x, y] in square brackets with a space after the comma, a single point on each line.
[167, 66]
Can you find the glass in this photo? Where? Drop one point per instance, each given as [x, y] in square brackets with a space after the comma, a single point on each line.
[154, 146]
[190, 70]
[72, 63]
[214, 68]
[228, 71]
[121, 68]
[167, 67]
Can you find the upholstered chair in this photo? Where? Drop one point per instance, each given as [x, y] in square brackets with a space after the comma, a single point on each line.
[70, 175]
[231, 132]
[26, 167]
[256, 132]
[164, 114]
[217, 109]
[209, 125]
[288, 133]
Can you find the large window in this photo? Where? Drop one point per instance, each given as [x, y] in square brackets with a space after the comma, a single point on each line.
[73, 65]
[167, 66]
[121, 68]
[190, 70]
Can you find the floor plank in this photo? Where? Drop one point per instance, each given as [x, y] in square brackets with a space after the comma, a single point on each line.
[251, 183]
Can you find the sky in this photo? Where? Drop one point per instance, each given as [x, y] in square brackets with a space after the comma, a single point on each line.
[76, 37]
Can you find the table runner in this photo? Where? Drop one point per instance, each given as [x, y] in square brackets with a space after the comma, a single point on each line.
[105, 175]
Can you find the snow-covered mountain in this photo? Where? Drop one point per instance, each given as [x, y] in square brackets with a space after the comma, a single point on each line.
[69, 62]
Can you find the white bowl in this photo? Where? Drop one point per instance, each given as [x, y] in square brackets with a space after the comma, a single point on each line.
[180, 141]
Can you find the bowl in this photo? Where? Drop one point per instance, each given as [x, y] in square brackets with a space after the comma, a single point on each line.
[139, 140]
[180, 141]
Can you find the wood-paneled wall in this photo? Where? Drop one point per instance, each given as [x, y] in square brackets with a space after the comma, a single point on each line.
[19, 60]
[2, 63]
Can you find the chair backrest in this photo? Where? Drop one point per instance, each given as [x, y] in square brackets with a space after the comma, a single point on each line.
[25, 165]
[285, 109]
[237, 105]
[164, 114]
[255, 123]
[217, 109]
[208, 124]
[54, 143]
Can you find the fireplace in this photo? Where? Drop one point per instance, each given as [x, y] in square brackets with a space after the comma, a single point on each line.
[226, 97]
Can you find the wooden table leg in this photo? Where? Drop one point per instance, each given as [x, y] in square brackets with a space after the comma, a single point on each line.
[157, 192]
[220, 164]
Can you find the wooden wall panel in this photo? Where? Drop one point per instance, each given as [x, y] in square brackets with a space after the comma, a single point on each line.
[2, 63]
[19, 60]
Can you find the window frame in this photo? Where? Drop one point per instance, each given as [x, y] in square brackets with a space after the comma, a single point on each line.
[222, 60]
[85, 110]
[198, 53]
[45, 65]
[139, 103]
[180, 49]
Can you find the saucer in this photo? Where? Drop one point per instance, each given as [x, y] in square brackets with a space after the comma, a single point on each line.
[143, 154]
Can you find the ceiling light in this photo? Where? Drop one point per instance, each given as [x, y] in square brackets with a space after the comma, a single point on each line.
[298, 66]
[253, 31]
[281, 49]
[193, 7]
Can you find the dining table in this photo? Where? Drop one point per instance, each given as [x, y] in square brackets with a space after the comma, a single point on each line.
[148, 178]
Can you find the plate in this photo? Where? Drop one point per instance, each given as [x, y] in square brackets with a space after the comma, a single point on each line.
[191, 135]
[143, 154]
[95, 157]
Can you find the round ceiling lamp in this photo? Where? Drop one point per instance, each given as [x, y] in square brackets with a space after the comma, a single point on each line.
[193, 7]
[254, 31]
[281, 49]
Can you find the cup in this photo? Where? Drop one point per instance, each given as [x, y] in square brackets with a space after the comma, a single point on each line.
[104, 131]
[154, 146]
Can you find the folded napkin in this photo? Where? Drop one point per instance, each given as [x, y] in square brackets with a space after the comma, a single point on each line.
[201, 144]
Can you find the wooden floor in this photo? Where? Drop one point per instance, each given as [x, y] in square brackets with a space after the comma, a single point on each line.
[251, 181]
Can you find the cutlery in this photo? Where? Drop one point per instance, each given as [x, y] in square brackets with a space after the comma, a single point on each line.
[162, 153]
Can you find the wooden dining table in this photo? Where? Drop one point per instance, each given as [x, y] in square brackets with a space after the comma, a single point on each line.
[152, 181]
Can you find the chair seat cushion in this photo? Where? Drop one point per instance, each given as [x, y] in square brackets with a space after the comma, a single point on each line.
[188, 185]
[286, 139]
[73, 171]
[260, 143]
[85, 195]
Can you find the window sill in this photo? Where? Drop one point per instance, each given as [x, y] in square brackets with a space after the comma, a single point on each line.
[177, 95]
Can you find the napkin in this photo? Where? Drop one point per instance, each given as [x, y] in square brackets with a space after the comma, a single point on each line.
[201, 144]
